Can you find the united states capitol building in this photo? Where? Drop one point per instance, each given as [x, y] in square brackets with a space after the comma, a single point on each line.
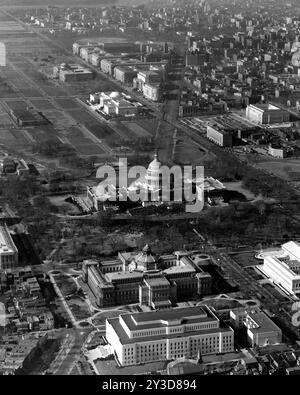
[158, 282]
[149, 187]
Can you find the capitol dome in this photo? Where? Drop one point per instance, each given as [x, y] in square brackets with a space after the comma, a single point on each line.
[155, 164]
[153, 174]
[150, 181]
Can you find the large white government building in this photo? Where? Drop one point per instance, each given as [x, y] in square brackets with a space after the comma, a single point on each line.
[283, 267]
[266, 114]
[8, 250]
[167, 335]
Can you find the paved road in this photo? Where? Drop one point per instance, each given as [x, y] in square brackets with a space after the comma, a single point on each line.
[70, 352]
[62, 300]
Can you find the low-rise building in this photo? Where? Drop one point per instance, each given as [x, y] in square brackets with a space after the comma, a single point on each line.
[72, 73]
[28, 117]
[277, 151]
[150, 76]
[125, 74]
[261, 330]
[152, 91]
[219, 136]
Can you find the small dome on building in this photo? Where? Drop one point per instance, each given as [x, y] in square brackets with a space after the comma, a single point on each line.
[145, 260]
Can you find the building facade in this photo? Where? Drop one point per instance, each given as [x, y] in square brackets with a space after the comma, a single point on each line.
[266, 114]
[277, 151]
[125, 74]
[158, 282]
[168, 335]
[152, 92]
[219, 136]
[261, 330]
[283, 267]
[8, 250]
[72, 73]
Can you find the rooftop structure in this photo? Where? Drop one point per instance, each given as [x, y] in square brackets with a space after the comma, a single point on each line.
[171, 334]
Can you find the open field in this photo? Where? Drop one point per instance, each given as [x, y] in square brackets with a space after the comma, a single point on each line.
[82, 144]
[16, 104]
[99, 129]
[5, 121]
[42, 105]
[149, 124]
[187, 152]
[23, 83]
[21, 139]
[4, 17]
[6, 137]
[68, 104]
[59, 118]
[6, 90]
[43, 133]
[138, 130]
[10, 26]
[24, 43]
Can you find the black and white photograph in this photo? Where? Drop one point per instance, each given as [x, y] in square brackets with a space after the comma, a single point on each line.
[149, 191]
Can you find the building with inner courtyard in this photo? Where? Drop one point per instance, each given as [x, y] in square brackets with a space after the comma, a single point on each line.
[155, 281]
